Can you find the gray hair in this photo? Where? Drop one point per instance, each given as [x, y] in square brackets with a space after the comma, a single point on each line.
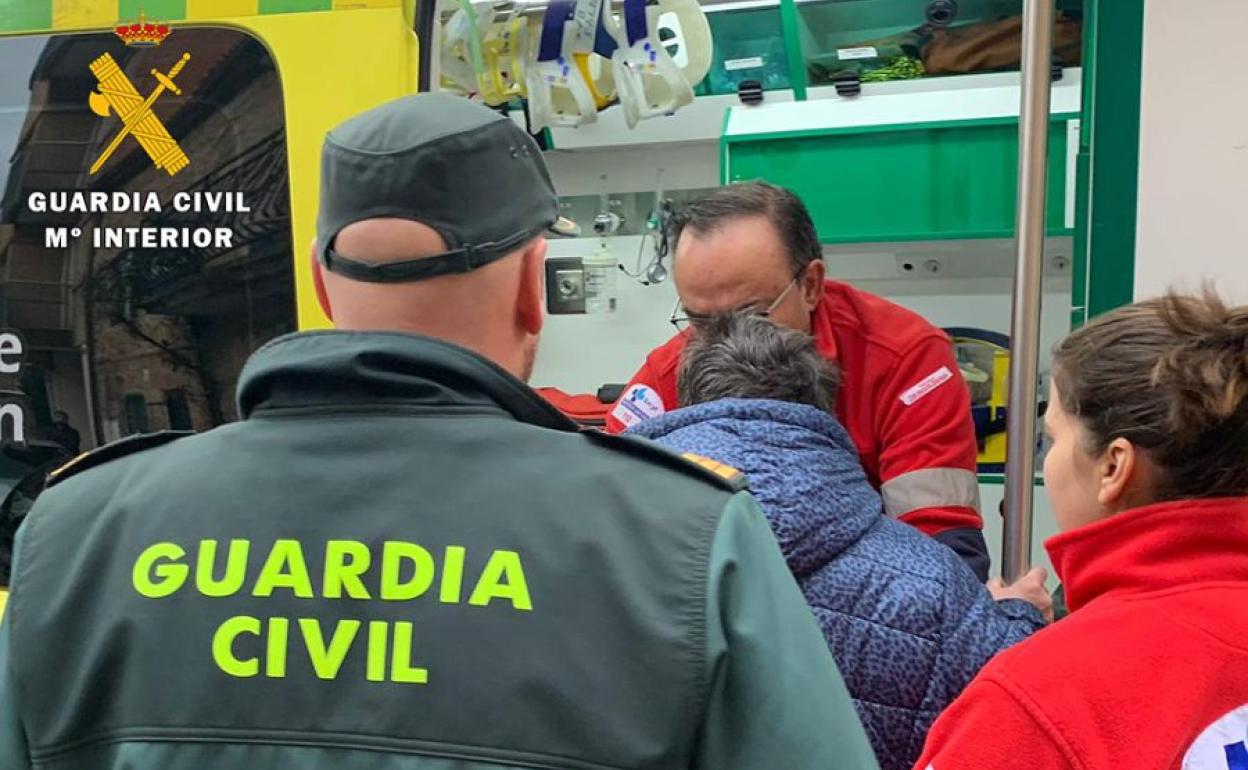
[740, 355]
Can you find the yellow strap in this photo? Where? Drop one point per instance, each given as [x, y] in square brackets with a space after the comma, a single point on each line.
[600, 99]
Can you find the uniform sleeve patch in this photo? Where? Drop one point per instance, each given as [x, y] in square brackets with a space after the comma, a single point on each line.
[926, 385]
[639, 402]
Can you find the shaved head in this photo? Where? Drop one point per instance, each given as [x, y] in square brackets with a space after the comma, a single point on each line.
[494, 310]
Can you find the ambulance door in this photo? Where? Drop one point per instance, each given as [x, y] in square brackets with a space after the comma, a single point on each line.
[145, 236]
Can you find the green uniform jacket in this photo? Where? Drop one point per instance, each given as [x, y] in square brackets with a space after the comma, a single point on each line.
[403, 558]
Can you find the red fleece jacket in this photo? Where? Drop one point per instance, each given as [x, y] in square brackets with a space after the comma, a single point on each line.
[1150, 670]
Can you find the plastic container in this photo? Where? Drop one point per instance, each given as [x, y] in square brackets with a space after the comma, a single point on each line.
[601, 271]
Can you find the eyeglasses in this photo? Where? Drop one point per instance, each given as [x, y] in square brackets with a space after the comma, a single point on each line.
[683, 320]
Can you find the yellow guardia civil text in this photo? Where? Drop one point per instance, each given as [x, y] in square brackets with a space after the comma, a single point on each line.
[397, 571]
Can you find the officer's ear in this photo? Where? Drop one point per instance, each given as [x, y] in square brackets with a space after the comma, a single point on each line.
[529, 303]
[318, 282]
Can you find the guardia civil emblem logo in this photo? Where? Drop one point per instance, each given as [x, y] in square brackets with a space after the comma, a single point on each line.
[117, 96]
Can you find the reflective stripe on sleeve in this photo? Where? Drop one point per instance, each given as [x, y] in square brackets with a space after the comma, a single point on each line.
[930, 488]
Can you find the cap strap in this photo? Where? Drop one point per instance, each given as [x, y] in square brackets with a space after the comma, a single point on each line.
[463, 260]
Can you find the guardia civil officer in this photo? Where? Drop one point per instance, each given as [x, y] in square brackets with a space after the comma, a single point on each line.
[402, 557]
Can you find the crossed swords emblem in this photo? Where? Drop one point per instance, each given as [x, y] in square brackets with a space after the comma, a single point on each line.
[118, 95]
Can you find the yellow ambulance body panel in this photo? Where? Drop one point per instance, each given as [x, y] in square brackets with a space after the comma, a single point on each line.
[335, 58]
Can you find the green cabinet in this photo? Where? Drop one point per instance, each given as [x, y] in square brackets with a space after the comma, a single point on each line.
[930, 160]
[948, 180]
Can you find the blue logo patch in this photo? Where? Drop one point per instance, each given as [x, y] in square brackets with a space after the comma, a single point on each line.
[1237, 756]
[1221, 745]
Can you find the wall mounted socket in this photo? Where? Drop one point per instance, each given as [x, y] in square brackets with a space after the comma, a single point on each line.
[916, 266]
[565, 286]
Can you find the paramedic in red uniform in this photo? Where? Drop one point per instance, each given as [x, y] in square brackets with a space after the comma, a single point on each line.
[1148, 479]
[902, 396]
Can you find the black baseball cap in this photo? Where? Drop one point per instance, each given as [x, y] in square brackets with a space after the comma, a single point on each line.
[464, 170]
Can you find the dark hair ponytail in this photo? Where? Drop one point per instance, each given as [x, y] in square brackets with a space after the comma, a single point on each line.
[1171, 375]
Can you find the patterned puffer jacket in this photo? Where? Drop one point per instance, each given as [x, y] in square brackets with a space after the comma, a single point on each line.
[905, 618]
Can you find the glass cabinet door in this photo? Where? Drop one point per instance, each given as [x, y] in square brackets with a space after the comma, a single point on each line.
[884, 40]
[748, 45]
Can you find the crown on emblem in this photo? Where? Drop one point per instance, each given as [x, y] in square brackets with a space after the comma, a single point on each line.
[142, 33]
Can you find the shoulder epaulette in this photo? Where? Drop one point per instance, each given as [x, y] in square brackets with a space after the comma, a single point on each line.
[717, 473]
[120, 448]
[714, 466]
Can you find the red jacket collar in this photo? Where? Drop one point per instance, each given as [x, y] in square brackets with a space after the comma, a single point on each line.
[1153, 548]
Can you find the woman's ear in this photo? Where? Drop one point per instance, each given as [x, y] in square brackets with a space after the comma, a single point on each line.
[318, 282]
[1119, 475]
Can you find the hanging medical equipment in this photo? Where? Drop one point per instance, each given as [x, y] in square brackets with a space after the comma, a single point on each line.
[657, 238]
[505, 50]
[647, 77]
[658, 226]
[577, 59]
[459, 38]
[564, 87]
[485, 54]
[597, 38]
[685, 33]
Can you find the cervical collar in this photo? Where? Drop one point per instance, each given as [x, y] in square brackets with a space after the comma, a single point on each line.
[690, 44]
[597, 37]
[459, 45]
[505, 48]
[484, 57]
[649, 82]
[563, 88]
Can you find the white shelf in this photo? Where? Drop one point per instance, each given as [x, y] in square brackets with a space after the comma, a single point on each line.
[927, 100]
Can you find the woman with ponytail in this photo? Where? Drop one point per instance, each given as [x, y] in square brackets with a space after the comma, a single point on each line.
[1148, 479]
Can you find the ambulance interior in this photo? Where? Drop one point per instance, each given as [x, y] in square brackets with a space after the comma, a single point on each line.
[908, 164]
[607, 310]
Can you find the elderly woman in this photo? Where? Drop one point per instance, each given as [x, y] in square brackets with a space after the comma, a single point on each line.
[1148, 478]
[908, 622]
